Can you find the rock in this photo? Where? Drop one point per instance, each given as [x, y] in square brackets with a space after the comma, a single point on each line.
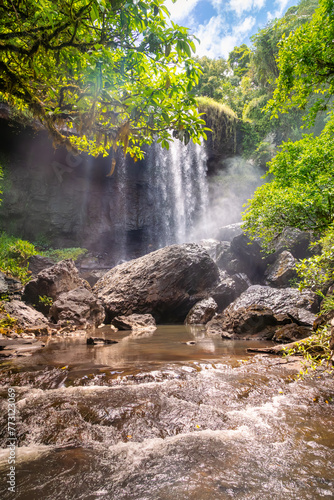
[292, 332]
[38, 262]
[135, 322]
[227, 233]
[252, 322]
[281, 272]
[9, 287]
[165, 283]
[51, 282]
[294, 240]
[300, 305]
[213, 247]
[250, 256]
[100, 341]
[201, 312]
[229, 288]
[26, 316]
[78, 307]
[228, 261]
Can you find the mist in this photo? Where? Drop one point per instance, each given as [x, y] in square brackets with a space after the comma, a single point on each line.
[229, 190]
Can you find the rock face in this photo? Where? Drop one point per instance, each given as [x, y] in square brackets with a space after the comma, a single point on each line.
[201, 312]
[26, 315]
[53, 281]
[291, 333]
[281, 272]
[302, 306]
[9, 286]
[77, 307]
[135, 322]
[165, 283]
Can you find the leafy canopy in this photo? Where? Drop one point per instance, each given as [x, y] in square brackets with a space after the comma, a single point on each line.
[301, 192]
[100, 74]
[306, 65]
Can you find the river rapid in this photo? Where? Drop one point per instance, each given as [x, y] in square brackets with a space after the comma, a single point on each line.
[168, 415]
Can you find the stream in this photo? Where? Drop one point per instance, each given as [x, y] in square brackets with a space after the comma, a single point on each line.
[166, 415]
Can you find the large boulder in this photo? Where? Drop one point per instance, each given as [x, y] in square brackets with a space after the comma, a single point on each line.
[301, 306]
[77, 307]
[249, 254]
[135, 322]
[38, 262]
[227, 233]
[201, 312]
[53, 281]
[165, 283]
[25, 315]
[282, 271]
[252, 322]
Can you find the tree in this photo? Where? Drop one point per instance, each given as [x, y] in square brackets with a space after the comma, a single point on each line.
[301, 192]
[214, 73]
[100, 74]
[306, 65]
[239, 60]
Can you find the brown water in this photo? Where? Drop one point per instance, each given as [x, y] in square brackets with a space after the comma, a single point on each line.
[155, 418]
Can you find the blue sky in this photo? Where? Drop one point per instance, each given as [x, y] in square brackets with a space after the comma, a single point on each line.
[221, 25]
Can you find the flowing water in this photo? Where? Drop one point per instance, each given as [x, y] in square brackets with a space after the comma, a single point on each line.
[167, 415]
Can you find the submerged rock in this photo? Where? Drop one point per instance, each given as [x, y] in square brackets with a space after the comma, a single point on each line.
[100, 341]
[78, 307]
[201, 312]
[165, 283]
[135, 322]
[53, 281]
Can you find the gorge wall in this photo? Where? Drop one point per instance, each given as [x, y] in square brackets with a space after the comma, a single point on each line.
[52, 197]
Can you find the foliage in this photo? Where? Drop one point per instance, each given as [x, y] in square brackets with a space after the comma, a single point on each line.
[306, 65]
[100, 74]
[239, 60]
[8, 321]
[301, 192]
[315, 350]
[65, 253]
[45, 300]
[214, 73]
[317, 272]
[220, 118]
[14, 255]
[1, 177]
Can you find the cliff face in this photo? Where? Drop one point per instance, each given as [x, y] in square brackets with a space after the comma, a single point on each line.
[51, 196]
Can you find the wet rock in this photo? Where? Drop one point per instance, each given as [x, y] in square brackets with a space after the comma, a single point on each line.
[229, 288]
[51, 282]
[26, 316]
[228, 261]
[227, 233]
[165, 283]
[300, 305]
[252, 322]
[292, 332]
[281, 272]
[201, 312]
[295, 241]
[135, 322]
[78, 307]
[100, 341]
[250, 257]
[38, 262]
[213, 247]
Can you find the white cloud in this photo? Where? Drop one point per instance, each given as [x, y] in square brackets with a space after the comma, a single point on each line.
[281, 7]
[181, 9]
[240, 6]
[215, 43]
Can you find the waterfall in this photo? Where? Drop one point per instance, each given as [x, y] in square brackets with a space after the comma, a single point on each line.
[178, 184]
